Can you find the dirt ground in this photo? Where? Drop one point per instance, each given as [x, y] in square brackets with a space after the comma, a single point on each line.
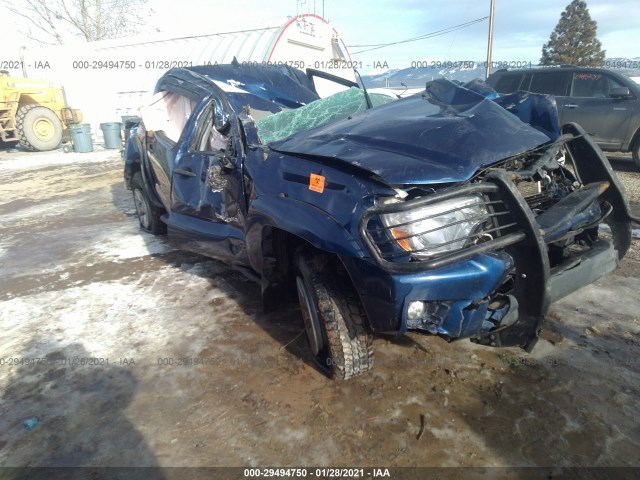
[131, 353]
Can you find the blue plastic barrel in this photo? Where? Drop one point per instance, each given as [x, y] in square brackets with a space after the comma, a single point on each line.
[81, 138]
[111, 132]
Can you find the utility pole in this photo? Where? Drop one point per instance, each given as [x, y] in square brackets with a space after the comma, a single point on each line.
[490, 42]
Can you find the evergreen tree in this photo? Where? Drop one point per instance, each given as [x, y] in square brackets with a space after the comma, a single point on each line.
[574, 40]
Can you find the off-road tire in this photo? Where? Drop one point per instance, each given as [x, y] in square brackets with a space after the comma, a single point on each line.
[148, 214]
[346, 344]
[636, 152]
[31, 136]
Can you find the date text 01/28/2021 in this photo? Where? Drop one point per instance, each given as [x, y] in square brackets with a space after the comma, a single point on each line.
[317, 472]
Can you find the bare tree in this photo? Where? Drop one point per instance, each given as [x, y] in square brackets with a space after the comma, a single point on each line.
[54, 21]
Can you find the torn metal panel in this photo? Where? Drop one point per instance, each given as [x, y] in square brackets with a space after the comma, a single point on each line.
[577, 210]
[282, 86]
[439, 137]
[539, 111]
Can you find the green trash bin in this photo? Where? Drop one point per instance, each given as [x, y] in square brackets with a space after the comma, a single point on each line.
[111, 132]
[81, 138]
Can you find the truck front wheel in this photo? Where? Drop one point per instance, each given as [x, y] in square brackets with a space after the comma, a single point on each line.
[335, 322]
[39, 129]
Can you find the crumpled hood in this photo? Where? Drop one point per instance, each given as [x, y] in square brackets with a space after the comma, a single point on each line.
[443, 135]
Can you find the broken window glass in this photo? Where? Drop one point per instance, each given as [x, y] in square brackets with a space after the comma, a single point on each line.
[336, 107]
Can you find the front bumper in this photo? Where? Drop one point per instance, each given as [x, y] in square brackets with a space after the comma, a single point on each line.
[452, 294]
[459, 297]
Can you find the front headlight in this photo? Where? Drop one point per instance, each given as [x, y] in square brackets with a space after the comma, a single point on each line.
[438, 228]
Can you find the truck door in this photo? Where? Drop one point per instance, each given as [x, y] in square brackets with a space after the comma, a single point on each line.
[160, 152]
[164, 120]
[207, 198]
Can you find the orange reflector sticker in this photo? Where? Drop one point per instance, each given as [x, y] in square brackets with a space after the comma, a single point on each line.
[316, 183]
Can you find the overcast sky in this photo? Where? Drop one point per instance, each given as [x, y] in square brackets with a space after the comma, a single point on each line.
[521, 27]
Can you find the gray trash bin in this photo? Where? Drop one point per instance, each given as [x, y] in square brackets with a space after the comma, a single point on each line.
[111, 132]
[81, 138]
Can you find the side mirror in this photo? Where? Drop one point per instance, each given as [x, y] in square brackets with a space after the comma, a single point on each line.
[620, 92]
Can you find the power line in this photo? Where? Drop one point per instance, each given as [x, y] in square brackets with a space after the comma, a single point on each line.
[444, 31]
[427, 35]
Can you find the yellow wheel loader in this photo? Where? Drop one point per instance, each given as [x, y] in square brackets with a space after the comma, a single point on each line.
[34, 112]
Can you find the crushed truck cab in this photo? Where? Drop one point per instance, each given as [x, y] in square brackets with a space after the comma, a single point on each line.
[445, 212]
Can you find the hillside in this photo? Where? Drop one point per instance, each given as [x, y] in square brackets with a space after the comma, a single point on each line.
[417, 77]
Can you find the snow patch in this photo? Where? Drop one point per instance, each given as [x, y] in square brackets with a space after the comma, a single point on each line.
[34, 161]
[124, 244]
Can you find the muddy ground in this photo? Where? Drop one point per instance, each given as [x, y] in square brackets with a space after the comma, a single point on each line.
[190, 372]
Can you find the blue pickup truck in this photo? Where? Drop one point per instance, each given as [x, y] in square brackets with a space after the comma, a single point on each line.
[445, 212]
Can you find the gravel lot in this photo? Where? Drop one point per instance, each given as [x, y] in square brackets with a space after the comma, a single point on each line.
[130, 353]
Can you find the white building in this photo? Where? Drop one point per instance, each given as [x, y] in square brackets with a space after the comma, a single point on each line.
[110, 78]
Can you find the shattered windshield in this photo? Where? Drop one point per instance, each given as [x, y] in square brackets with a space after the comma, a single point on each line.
[336, 107]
